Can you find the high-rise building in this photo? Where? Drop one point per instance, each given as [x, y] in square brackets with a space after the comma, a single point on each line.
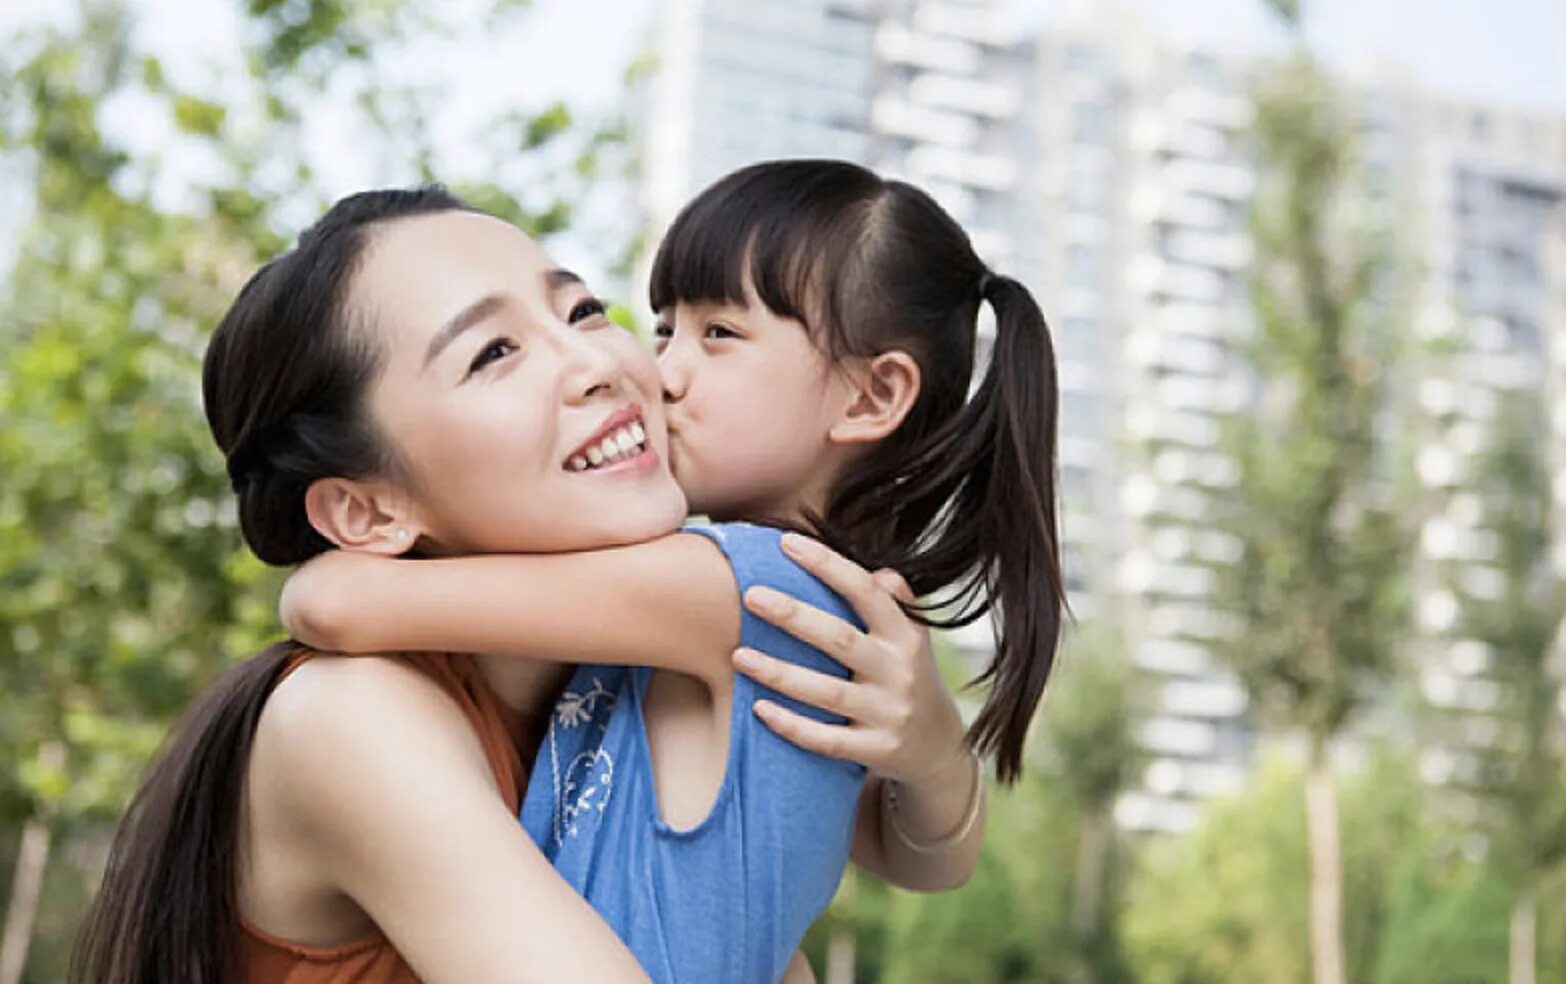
[1146, 182]
[1110, 170]
[1493, 211]
[738, 81]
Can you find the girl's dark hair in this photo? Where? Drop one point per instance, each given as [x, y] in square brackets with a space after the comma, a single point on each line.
[961, 498]
[285, 382]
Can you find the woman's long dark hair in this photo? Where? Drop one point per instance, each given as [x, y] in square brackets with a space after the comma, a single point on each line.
[961, 498]
[284, 382]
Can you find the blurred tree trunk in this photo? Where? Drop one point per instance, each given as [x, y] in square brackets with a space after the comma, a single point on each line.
[1326, 870]
[32, 858]
[1524, 920]
[1317, 589]
[1093, 844]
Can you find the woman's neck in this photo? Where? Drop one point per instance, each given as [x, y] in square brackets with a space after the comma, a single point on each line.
[527, 686]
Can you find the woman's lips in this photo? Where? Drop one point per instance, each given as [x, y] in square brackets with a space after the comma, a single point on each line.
[638, 464]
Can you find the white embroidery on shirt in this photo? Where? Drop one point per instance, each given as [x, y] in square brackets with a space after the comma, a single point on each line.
[588, 782]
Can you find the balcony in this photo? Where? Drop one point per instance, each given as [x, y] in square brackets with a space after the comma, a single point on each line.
[892, 116]
[898, 45]
[964, 95]
[986, 172]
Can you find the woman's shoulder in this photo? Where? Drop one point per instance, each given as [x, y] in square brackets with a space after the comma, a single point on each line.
[334, 719]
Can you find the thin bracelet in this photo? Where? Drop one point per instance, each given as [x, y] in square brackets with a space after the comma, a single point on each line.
[970, 817]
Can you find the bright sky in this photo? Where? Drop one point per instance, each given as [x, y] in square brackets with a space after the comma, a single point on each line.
[1508, 52]
[1486, 50]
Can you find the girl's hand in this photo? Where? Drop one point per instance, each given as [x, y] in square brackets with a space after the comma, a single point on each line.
[902, 722]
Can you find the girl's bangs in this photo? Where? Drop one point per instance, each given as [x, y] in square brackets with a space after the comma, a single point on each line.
[781, 231]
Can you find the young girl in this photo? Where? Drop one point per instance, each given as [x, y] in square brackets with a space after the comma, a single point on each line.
[817, 334]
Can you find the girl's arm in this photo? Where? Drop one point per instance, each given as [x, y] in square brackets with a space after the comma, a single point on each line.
[616, 606]
[902, 723]
[669, 603]
[408, 823]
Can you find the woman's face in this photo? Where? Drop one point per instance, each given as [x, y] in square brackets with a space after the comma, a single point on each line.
[522, 419]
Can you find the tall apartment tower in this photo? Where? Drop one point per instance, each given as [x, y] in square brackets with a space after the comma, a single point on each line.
[1145, 185]
[927, 90]
[739, 81]
[947, 115]
[1494, 218]
[1109, 170]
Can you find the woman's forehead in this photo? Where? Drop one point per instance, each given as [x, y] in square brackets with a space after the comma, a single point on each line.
[417, 272]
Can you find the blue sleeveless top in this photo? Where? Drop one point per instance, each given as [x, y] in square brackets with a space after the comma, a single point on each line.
[730, 899]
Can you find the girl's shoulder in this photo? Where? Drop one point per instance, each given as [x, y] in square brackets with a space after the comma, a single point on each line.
[755, 553]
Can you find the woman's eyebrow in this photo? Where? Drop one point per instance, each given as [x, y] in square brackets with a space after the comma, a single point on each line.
[461, 322]
[560, 277]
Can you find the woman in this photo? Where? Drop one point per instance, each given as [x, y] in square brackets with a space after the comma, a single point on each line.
[341, 819]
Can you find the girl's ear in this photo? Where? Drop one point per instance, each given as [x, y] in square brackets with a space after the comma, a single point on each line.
[363, 516]
[882, 392]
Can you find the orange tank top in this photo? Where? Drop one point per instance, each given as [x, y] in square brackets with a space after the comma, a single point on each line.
[269, 960]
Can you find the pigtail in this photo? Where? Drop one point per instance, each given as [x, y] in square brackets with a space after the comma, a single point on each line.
[1019, 537]
[962, 503]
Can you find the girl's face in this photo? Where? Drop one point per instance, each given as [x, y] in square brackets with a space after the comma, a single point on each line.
[522, 420]
[750, 402]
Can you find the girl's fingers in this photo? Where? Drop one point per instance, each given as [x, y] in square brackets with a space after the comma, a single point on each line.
[810, 625]
[837, 741]
[819, 690]
[893, 584]
[857, 586]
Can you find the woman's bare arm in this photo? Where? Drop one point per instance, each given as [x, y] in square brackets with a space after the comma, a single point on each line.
[387, 792]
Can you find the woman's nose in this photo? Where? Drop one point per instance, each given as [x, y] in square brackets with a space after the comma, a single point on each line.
[592, 367]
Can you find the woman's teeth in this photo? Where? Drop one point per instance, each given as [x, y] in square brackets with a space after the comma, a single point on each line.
[627, 442]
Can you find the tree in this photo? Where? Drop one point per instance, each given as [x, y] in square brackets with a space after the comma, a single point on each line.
[1223, 903]
[1091, 755]
[1318, 587]
[123, 582]
[1521, 772]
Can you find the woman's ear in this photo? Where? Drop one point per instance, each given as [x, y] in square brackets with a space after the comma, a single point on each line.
[882, 392]
[362, 516]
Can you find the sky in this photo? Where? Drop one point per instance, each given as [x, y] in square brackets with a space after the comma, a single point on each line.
[1507, 53]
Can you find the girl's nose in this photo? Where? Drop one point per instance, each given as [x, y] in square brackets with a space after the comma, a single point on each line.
[674, 371]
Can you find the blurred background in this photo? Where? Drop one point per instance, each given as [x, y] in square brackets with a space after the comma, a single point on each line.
[1305, 265]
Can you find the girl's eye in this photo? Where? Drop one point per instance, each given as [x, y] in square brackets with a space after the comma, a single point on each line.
[716, 331]
[587, 309]
[497, 349]
[664, 332]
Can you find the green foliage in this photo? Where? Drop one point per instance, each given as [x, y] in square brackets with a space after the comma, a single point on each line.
[1088, 722]
[1522, 773]
[1319, 586]
[1012, 921]
[124, 585]
[1224, 904]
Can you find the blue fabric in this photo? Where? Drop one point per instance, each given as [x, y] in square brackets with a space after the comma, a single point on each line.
[730, 899]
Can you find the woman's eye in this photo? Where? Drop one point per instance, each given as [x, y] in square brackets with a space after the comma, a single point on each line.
[592, 307]
[497, 349]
